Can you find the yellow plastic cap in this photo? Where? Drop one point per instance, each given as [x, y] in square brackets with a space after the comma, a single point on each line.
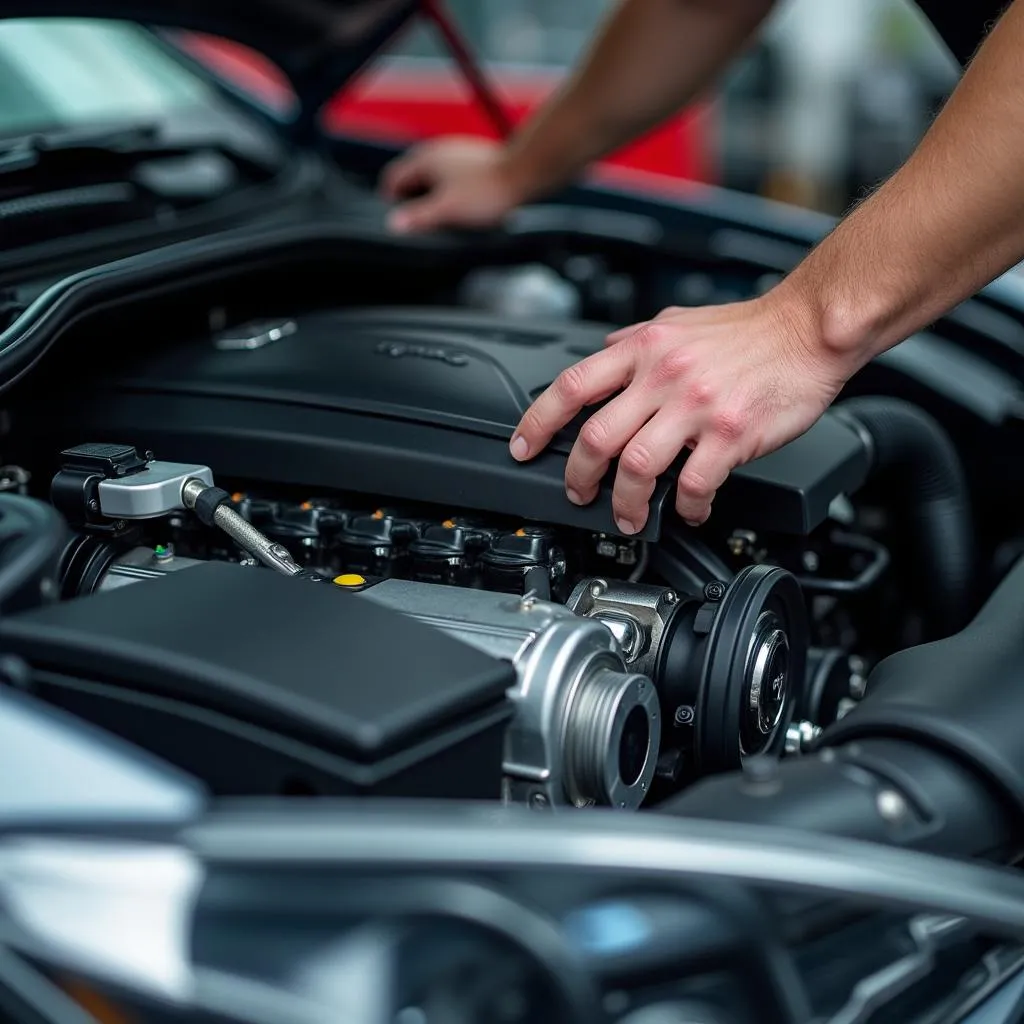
[349, 579]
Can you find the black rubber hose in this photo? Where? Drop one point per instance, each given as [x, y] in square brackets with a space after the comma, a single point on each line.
[961, 695]
[32, 537]
[891, 791]
[917, 458]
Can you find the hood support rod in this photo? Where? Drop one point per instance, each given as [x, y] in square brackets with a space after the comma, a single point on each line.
[436, 12]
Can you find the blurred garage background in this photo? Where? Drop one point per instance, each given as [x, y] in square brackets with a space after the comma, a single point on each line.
[828, 101]
[832, 97]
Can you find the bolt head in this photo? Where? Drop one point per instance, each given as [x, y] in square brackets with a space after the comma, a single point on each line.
[683, 715]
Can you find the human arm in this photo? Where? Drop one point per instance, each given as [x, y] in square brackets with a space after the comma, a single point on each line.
[944, 225]
[650, 58]
[735, 382]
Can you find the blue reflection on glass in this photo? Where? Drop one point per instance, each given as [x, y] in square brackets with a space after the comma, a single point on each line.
[607, 929]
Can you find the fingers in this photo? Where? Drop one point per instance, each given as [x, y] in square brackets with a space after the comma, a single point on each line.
[706, 469]
[423, 214]
[403, 176]
[603, 437]
[625, 332]
[677, 394]
[589, 381]
[647, 456]
[409, 176]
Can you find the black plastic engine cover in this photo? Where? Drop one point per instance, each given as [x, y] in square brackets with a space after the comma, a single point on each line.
[258, 684]
[415, 404]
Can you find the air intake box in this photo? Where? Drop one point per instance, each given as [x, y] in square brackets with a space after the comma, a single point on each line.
[259, 684]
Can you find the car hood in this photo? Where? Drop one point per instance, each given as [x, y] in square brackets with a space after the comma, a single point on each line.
[318, 44]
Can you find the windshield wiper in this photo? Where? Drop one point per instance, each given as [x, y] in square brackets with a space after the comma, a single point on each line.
[72, 181]
[24, 152]
[79, 152]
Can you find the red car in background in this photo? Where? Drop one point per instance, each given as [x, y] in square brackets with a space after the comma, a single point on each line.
[418, 92]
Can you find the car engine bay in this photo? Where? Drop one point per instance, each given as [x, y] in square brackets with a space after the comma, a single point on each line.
[240, 452]
[258, 518]
[316, 705]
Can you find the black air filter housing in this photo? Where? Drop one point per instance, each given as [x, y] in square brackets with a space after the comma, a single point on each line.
[260, 684]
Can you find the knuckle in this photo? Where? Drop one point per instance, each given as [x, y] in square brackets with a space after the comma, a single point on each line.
[571, 384]
[696, 515]
[701, 394]
[595, 438]
[729, 424]
[585, 487]
[635, 514]
[574, 478]
[630, 503]
[531, 425]
[637, 460]
[672, 367]
[693, 484]
[651, 335]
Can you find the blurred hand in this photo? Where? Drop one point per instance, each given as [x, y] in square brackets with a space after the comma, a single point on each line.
[731, 383]
[450, 182]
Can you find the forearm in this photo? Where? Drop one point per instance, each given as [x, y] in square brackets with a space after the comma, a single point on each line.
[948, 222]
[651, 58]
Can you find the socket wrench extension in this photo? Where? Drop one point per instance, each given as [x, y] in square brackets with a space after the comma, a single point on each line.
[212, 506]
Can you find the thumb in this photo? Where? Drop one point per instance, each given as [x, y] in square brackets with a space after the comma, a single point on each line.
[423, 214]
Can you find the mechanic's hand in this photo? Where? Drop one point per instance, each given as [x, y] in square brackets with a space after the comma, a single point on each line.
[729, 382]
[450, 182]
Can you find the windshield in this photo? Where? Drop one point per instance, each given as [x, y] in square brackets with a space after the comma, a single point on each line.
[63, 73]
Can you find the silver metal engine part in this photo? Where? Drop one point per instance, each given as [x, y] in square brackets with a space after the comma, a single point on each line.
[242, 532]
[636, 614]
[143, 563]
[586, 730]
[251, 336]
[748, 665]
[152, 492]
[767, 673]
[533, 290]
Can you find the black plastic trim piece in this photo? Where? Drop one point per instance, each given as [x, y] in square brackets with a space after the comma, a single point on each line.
[959, 695]
[309, 661]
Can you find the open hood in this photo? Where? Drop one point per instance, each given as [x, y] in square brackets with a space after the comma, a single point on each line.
[318, 44]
